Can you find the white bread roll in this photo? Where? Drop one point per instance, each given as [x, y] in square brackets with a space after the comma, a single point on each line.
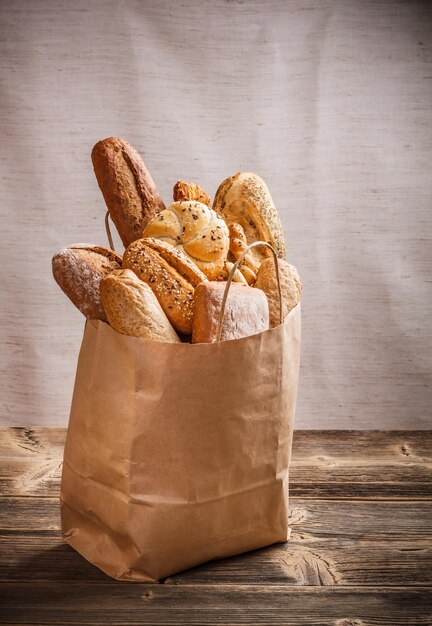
[196, 230]
[246, 312]
[132, 308]
[245, 199]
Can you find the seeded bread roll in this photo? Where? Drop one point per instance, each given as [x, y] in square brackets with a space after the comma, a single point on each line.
[245, 199]
[246, 312]
[127, 187]
[197, 231]
[171, 275]
[290, 287]
[78, 270]
[132, 308]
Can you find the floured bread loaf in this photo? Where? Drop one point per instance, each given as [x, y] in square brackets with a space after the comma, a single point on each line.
[171, 275]
[246, 312]
[195, 229]
[127, 187]
[78, 270]
[245, 199]
[290, 288]
[132, 308]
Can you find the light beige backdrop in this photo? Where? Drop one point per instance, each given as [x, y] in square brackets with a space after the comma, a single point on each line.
[330, 102]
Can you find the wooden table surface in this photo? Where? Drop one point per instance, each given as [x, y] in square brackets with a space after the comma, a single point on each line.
[359, 554]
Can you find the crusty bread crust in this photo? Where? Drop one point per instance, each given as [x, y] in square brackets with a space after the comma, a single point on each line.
[246, 312]
[127, 187]
[190, 191]
[132, 308]
[197, 231]
[78, 270]
[291, 288]
[170, 274]
[244, 198]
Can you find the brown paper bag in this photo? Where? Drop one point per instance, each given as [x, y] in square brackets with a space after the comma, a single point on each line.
[178, 453]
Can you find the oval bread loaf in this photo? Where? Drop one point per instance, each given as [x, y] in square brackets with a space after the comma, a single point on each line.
[132, 308]
[245, 199]
[291, 287]
[127, 187]
[246, 312]
[78, 270]
[196, 230]
[171, 275]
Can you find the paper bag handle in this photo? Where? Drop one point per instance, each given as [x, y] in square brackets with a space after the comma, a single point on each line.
[108, 231]
[231, 276]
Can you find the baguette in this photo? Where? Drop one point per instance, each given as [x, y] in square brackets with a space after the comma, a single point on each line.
[127, 187]
[132, 308]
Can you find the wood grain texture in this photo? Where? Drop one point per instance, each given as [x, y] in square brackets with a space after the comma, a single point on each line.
[69, 603]
[305, 560]
[329, 464]
[357, 562]
[328, 101]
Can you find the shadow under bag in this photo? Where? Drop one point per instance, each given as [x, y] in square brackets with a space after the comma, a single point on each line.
[178, 453]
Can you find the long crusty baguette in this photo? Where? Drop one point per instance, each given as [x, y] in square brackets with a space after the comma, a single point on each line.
[132, 308]
[171, 275]
[245, 199]
[246, 312]
[291, 287]
[78, 270]
[129, 191]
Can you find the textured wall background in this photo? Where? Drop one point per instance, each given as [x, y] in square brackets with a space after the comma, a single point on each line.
[330, 102]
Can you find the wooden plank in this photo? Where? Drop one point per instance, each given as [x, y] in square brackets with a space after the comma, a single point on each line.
[332, 543]
[324, 465]
[350, 446]
[41, 477]
[165, 605]
[313, 562]
[354, 519]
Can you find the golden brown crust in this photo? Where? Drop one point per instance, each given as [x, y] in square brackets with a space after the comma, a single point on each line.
[176, 259]
[237, 277]
[170, 274]
[244, 198]
[246, 312]
[238, 244]
[190, 191]
[291, 288]
[127, 187]
[197, 231]
[132, 308]
[78, 271]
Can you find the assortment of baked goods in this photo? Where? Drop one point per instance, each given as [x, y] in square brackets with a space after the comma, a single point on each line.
[173, 274]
